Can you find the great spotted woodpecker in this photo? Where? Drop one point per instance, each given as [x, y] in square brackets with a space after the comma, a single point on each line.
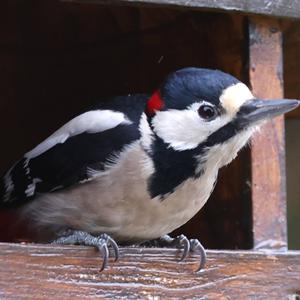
[137, 167]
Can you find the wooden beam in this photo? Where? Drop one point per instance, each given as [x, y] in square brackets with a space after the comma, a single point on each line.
[278, 8]
[72, 272]
[291, 50]
[268, 148]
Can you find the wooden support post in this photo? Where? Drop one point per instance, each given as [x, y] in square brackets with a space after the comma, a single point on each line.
[268, 149]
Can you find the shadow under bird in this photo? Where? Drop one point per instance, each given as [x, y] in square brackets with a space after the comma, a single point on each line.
[137, 167]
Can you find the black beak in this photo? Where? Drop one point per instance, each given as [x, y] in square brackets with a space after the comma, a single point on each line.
[257, 110]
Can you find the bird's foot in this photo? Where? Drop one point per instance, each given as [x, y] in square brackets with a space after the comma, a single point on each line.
[101, 242]
[180, 241]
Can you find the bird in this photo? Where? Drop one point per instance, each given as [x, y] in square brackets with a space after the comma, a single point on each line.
[136, 167]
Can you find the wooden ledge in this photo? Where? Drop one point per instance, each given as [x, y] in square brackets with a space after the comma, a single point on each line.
[275, 8]
[66, 272]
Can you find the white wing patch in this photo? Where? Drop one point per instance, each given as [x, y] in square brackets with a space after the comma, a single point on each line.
[90, 122]
[9, 185]
[30, 190]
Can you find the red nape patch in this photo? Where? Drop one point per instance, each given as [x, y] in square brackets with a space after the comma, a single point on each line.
[154, 103]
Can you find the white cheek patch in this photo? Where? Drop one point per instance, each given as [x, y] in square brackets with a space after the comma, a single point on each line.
[184, 129]
[234, 97]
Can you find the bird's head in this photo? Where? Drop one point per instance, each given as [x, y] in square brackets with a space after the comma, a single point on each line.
[208, 108]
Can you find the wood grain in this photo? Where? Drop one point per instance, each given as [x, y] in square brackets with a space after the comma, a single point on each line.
[268, 148]
[278, 8]
[72, 272]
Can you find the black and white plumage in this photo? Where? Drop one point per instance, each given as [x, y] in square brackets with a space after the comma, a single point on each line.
[139, 166]
[97, 135]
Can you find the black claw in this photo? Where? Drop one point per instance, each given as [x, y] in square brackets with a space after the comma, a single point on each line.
[183, 241]
[102, 242]
[115, 247]
[105, 255]
[197, 246]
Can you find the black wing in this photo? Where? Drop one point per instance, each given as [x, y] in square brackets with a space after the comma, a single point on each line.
[68, 163]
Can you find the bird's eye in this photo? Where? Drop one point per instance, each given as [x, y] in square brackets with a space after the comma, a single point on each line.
[207, 112]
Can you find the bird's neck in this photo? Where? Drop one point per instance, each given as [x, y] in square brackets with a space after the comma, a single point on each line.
[171, 167]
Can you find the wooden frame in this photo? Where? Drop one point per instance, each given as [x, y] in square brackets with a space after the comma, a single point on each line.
[268, 150]
[278, 8]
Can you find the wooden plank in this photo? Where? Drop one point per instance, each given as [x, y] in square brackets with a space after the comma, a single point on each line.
[72, 272]
[268, 148]
[291, 50]
[278, 8]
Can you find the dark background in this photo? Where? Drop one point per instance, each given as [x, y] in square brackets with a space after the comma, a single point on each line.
[57, 58]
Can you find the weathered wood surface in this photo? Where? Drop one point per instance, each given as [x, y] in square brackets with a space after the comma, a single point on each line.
[72, 272]
[268, 148]
[278, 8]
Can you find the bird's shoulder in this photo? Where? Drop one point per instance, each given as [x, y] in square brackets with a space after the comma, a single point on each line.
[85, 142]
